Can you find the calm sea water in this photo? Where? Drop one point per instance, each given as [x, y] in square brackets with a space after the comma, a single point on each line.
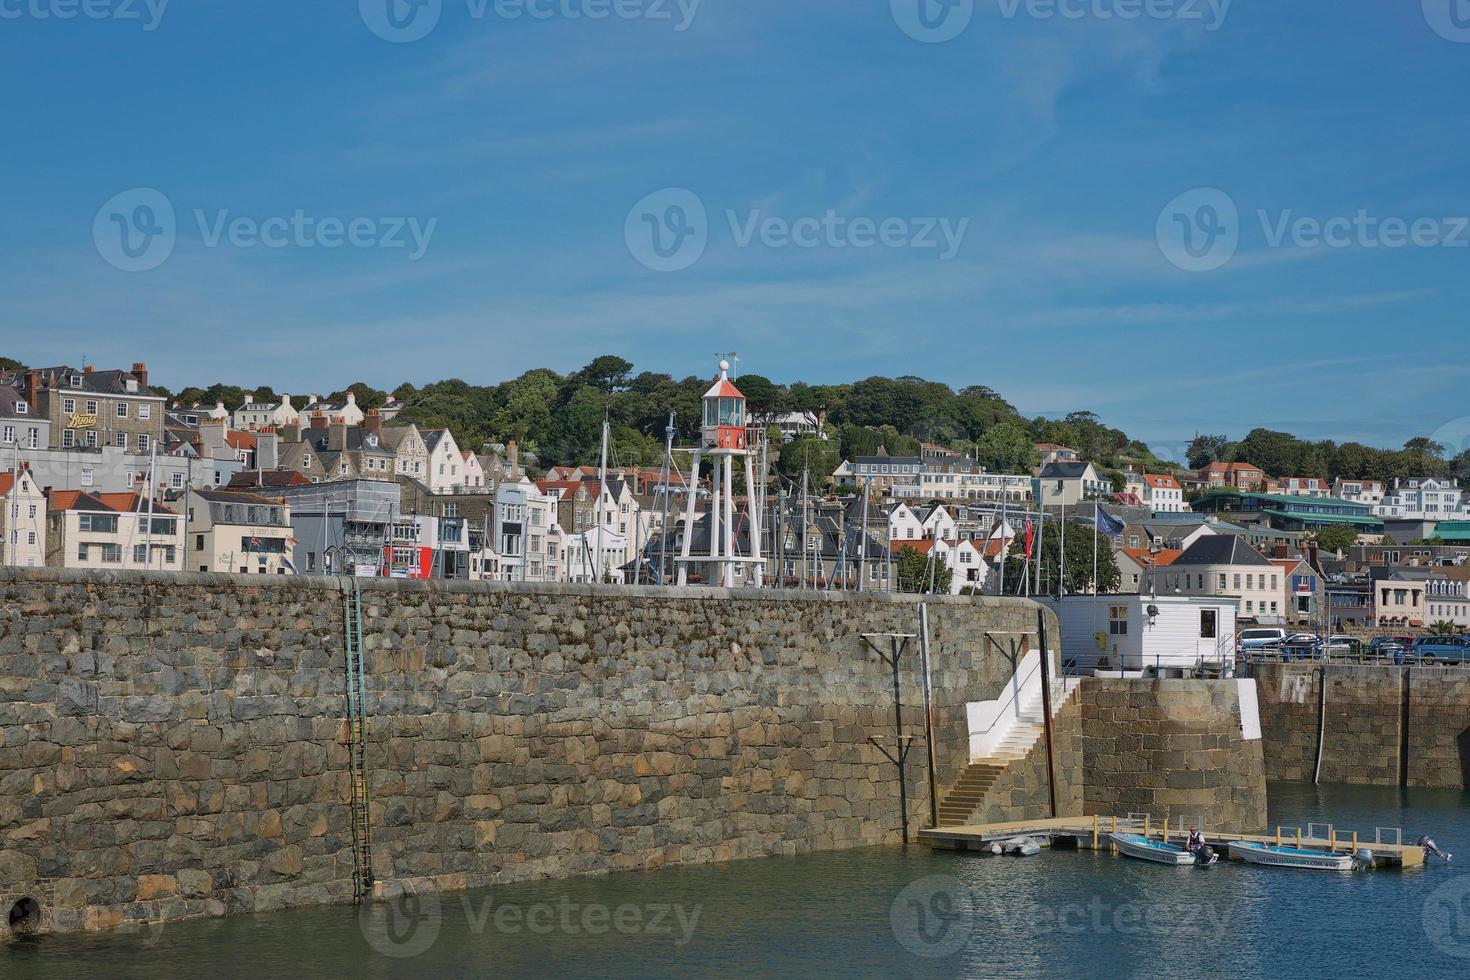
[874, 912]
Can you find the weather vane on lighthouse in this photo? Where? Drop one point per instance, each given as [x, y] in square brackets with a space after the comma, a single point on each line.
[723, 437]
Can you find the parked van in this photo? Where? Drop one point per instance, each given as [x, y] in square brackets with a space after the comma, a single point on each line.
[1256, 638]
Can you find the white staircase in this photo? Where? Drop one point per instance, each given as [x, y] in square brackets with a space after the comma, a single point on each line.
[1005, 729]
[1002, 731]
[1024, 728]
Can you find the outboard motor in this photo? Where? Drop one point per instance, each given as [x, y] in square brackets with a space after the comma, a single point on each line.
[1363, 858]
[1430, 846]
[1205, 856]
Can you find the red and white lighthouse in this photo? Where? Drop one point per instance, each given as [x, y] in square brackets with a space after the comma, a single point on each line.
[723, 436]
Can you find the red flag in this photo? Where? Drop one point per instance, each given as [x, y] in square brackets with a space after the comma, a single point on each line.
[1030, 535]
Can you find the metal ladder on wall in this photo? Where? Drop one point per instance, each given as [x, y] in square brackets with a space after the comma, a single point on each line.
[362, 842]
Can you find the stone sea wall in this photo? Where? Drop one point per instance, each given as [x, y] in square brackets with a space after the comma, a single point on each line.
[1384, 725]
[174, 746]
[1172, 749]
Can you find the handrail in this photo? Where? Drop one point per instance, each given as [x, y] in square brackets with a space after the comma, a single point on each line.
[1015, 690]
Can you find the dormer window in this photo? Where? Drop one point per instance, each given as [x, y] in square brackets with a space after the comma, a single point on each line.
[76, 380]
[21, 408]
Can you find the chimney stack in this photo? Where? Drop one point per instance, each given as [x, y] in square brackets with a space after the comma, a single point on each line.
[87, 369]
[140, 371]
[318, 421]
[33, 388]
[373, 422]
[513, 457]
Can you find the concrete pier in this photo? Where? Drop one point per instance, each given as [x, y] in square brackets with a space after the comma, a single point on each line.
[1083, 833]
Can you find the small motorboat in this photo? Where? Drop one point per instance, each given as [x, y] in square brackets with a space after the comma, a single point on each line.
[1021, 847]
[1147, 849]
[1254, 852]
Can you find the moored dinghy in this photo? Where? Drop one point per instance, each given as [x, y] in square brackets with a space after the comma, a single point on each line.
[1021, 847]
[1146, 849]
[1271, 855]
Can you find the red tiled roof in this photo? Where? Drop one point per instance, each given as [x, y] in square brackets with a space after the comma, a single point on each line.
[1164, 482]
[1155, 559]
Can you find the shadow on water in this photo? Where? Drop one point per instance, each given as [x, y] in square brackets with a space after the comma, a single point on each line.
[871, 912]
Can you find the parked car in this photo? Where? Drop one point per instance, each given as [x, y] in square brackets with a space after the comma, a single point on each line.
[1390, 647]
[1440, 649]
[1259, 638]
[1341, 645]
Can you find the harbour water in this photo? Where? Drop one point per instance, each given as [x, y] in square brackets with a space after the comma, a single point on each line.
[872, 912]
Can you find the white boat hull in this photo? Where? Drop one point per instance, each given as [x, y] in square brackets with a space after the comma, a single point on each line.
[1138, 846]
[1289, 857]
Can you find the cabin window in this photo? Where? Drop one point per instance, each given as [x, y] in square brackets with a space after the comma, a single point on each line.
[1118, 620]
[1207, 624]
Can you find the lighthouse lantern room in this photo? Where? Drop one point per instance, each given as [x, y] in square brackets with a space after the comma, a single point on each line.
[723, 437]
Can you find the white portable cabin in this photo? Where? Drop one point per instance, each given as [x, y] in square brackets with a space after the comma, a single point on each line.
[1142, 633]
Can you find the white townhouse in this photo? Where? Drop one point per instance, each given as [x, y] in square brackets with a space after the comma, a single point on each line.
[1423, 499]
[1162, 494]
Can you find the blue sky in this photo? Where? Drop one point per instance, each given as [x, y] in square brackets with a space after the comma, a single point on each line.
[1055, 149]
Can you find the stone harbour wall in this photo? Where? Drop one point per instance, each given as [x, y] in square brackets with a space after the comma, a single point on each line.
[175, 746]
[1171, 749]
[1384, 725]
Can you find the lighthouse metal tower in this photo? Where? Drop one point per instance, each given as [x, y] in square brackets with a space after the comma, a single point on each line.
[724, 437]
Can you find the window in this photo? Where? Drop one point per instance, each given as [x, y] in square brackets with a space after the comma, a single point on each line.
[1207, 624]
[86, 475]
[145, 411]
[68, 438]
[21, 408]
[9, 433]
[122, 410]
[122, 440]
[82, 552]
[1118, 620]
[1237, 581]
[34, 439]
[112, 553]
[68, 405]
[99, 523]
[92, 407]
[90, 441]
[177, 480]
[1222, 581]
[142, 442]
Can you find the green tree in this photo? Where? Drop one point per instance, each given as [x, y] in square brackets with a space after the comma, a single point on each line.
[1078, 576]
[1007, 448]
[1204, 450]
[1336, 537]
[914, 572]
[819, 457]
[367, 396]
[11, 364]
[1443, 627]
[608, 373]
